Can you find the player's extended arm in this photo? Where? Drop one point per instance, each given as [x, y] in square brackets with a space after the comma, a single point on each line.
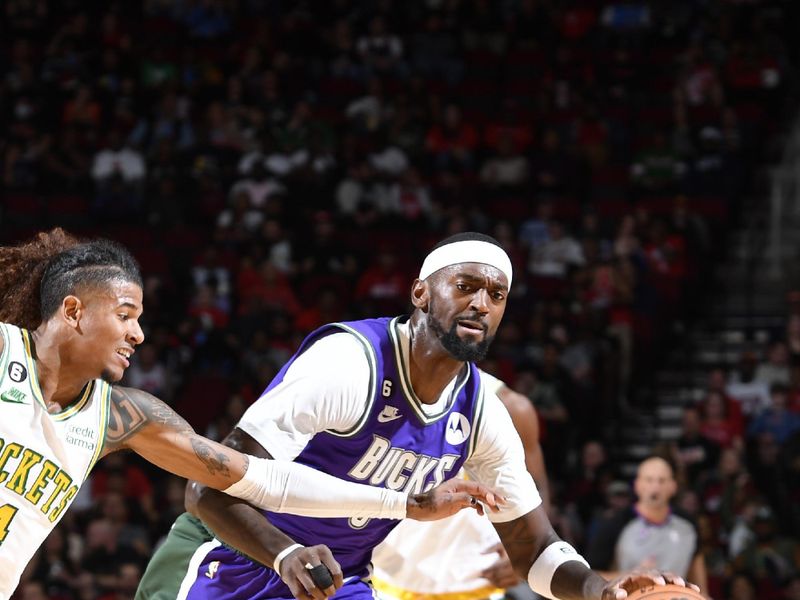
[144, 424]
[241, 526]
[527, 537]
[526, 422]
[554, 569]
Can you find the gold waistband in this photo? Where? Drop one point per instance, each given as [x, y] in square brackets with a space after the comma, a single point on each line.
[387, 590]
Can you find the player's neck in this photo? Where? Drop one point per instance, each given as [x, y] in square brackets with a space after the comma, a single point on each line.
[59, 381]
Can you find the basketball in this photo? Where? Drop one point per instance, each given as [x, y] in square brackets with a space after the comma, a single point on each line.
[665, 592]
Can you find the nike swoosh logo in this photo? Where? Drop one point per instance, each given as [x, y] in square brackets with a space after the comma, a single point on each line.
[385, 417]
[11, 400]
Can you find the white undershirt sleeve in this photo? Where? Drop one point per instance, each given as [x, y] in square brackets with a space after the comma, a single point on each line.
[326, 388]
[284, 486]
[499, 461]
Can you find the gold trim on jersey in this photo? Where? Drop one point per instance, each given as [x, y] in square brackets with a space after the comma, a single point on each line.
[33, 373]
[402, 594]
[105, 404]
[71, 410]
[74, 408]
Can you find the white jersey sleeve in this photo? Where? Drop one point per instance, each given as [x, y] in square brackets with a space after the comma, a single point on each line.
[499, 461]
[326, 388]
[491, 383]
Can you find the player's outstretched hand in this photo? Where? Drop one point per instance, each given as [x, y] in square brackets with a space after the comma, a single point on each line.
[449, 498]
[618, 588]
[298, 569]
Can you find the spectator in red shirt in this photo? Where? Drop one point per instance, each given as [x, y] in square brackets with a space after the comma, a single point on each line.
[666, 257]
[507, 124]
[750, 69]
[264, 287]
[717, 426]
[591, 136]
[83, 110]
[452, 142]
[383, 285]
[793, 398]
[205, 308]
[118, 475]
[717, 383]
[326, 309]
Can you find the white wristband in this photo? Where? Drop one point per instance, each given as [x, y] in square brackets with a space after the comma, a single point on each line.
[283, 486]
[544, 567]
[276, 565]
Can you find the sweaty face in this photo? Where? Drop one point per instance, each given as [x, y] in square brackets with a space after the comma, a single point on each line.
[466, 306]
[110, 328]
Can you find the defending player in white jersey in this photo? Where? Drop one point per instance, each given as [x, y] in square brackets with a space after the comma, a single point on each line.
[460, 557]
[69, 318]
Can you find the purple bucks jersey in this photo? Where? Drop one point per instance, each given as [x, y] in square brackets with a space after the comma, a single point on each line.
[394, 445]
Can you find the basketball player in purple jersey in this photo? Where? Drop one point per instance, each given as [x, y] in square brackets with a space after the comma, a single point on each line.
[392, 402]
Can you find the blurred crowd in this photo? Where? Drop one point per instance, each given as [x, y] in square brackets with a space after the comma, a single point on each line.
[737, 465]
[738, 459]
[278, 165]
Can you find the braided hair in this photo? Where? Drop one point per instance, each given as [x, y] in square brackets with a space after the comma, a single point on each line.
[35, 276]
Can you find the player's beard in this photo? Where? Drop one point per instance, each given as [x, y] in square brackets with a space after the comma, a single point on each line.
[109, 378]
[457, 347]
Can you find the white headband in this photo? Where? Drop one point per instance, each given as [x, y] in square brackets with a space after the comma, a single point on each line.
[468, 251]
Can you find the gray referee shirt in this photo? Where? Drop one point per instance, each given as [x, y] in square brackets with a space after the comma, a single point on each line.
[626, 540]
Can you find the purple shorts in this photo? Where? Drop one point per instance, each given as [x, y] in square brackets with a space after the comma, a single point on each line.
[224, 575]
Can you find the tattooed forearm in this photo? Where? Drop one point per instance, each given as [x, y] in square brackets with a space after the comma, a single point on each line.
[212, 459]
[131, 409]
[143, 423]
[160, 413]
